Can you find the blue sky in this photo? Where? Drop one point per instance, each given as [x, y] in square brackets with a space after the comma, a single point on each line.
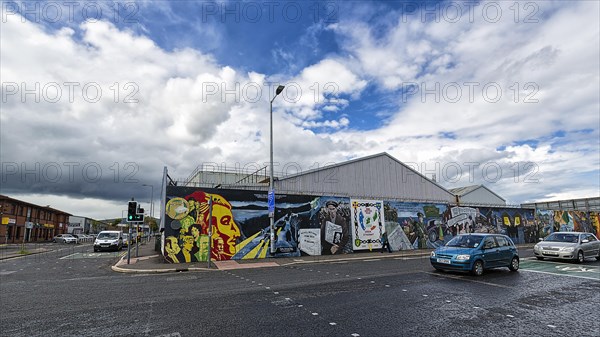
[509, 84]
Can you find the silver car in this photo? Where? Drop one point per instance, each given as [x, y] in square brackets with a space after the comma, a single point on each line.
[65, 238]
[568, 246]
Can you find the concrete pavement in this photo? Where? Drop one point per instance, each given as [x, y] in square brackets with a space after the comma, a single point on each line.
[150, 261]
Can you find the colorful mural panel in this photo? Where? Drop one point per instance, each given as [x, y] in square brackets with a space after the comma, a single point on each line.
[333, 218]
[367, 224]
[422, 225]
[238, 228]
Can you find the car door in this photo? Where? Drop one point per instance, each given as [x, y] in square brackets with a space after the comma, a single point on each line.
[591, 247]
[491, 253]
[505, 248]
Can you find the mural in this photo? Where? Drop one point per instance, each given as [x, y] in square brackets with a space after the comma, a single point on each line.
[544, 222]
[237, 227]
[422, 225]
[367, 224]
[333, 218]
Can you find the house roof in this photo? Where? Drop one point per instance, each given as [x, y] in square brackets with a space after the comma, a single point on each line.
[355, 160]
[48, 208]
[462, 191]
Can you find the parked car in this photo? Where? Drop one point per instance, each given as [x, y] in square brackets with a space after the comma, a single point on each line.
[80, 237]
[109, 240]
[475, 253]
[127, 240]
[574, 246]
[65, 238]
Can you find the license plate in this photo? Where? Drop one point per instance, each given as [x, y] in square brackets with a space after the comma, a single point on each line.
[446, 261]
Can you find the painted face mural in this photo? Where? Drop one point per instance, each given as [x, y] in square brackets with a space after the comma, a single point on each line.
[172, 249]
[224, 226]
[224, 229]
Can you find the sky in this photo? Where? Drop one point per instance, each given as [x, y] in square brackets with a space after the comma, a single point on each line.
[99, 97]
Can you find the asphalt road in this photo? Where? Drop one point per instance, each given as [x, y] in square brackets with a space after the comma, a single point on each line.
[73, 292]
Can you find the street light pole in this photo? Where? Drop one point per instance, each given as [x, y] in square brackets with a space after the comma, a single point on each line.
[272, 214]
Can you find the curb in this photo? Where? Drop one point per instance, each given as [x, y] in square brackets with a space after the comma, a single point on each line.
[376, 257]
[121, 261]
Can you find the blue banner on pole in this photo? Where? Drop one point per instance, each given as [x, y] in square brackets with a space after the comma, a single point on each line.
[271, 201]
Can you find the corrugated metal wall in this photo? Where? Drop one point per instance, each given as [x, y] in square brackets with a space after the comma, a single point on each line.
[379, 177]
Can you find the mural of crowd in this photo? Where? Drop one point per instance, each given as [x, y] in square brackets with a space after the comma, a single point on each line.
[323, 225]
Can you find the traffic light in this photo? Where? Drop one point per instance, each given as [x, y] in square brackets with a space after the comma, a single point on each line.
[139, 215]
[132, 208]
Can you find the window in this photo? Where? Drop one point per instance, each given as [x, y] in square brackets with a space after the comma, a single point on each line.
[489, 242]
[502, 241]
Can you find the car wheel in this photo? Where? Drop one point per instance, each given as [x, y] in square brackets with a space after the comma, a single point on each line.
[598, 257]
[478, 268]
[580, 257]
[95, 250]
[514, 264]
[539, 257]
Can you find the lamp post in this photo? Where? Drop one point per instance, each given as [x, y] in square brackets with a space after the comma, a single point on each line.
[151, 206]
[272, 214]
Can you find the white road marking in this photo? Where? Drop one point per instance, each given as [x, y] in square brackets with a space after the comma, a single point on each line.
[551, 326]
[545, 272]
[511, 316]
[315, 313]
[332, 323]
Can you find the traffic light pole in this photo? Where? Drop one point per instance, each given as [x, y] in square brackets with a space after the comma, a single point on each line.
[128, 244]
[137, 242]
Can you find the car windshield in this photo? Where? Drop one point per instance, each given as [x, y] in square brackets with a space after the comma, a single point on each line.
[108, 236]
[560, 237]
[465, 241]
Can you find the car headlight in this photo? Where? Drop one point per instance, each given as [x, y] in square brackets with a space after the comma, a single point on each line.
[536, 247]
[432, 254]
[463, 257]
[567, 249]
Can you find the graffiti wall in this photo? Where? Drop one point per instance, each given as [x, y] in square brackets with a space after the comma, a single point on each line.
[237, 226]
[568, 221]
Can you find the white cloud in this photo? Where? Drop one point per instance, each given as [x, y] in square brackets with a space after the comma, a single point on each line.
[183, 118]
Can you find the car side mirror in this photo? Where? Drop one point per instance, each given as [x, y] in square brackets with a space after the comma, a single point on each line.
[541, 239]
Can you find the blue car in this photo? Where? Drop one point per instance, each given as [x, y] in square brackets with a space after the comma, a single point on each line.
[476, 252]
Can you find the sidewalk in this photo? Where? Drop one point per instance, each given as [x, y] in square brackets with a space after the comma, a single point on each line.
[150, 261]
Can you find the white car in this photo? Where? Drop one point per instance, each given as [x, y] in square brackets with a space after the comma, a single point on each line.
[65, 238]
[109, 240]
[568, 246]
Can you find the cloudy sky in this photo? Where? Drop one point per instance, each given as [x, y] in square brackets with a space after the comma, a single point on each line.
[98, 97]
